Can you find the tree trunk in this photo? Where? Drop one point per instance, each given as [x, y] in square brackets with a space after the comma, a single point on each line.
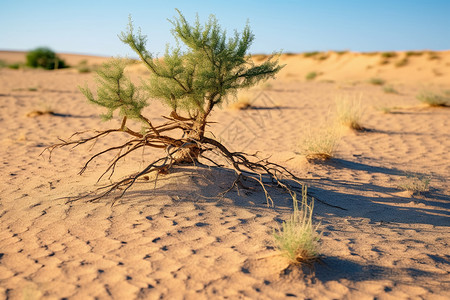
[190, 152]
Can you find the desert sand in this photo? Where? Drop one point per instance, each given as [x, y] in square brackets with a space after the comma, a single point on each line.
[180, 240]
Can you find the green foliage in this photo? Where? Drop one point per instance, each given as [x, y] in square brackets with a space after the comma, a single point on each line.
[212, 66]
[44, 58]
[311, 75]
[15, 66]
[377, 81]
[116, 91]
[310, 54]
[414, 53]
[388, 54]
[298, 239]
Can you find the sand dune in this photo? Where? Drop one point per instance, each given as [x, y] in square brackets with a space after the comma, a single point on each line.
[180, 241]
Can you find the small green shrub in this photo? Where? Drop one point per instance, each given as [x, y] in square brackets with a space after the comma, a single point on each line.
[377, 81]
[83, 67]
[433, 99]
[3, 64]
[311, 75]
[310, 54]
[298, 239]
[15, 66]
[388, 54]
[414, 53]
[44, 58]
[401, 63]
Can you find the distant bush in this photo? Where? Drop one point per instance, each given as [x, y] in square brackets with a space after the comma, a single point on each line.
[388, 54]
[15, 66]
[401, 63]
[390, 90]
[377, 81]
[433, 99]
[83, 67]
[414, 53]
[311, 75]
[310, 54]
[44, 58]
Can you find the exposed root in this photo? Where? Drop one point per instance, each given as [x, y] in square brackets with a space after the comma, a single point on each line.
[178, 152]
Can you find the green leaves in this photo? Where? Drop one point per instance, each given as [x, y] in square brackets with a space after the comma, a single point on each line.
[212, 66]
[116, 91]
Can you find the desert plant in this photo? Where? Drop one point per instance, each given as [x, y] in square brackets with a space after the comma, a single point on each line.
[191, 83]
[433, 99]
[319, 144]
[377, 81]
[401, 63]
[83, 67]
[415, 183]
[389, 89]
[298, 239]
[388, 54]
[311, 75]
[44, 58]
[413, 53]
[15, 66]
[310, 54]
[350, 111]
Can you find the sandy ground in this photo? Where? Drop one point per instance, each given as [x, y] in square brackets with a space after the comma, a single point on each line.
[180, 241]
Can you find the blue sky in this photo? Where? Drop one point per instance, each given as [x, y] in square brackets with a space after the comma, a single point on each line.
[91, 27]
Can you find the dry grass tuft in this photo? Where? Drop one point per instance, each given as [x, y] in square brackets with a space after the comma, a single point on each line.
[433, 99]
[350, 111]
[415, 183]
[298, 239]
[242, 102]
[320, 144]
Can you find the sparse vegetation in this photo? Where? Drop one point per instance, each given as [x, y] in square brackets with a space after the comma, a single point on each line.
[433, 55]
[15, 66]
[319, 144]
[388, 54]
[414, 53]
[434, 99]
[83, 67]
[415, 183]
[384, 109]
[298, 239]
[377, 81]
[311, 54]
[389, 89]
[311, 75]
[350, 111]
[44, 58]
[401, 63]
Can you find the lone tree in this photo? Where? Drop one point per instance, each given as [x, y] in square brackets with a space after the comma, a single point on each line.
[192, 82]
